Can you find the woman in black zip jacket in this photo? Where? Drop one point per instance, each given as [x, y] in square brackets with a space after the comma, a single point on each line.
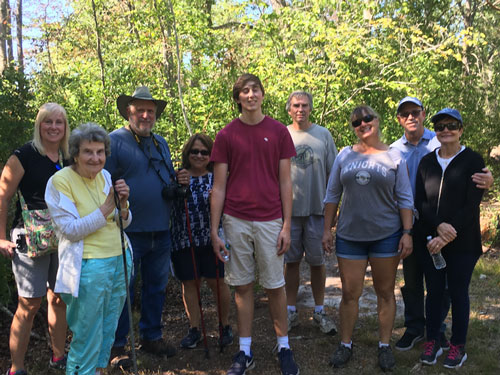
[447, 201]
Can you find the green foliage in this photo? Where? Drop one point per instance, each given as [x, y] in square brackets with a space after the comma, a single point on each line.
[16, 112]
[345, 53]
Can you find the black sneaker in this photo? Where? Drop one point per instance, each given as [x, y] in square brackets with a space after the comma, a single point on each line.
[287, 362]
[341, 356]
[227, 336]
[191, 339]
[456, 356]
[432, 350]
[408, 340]
[241, 363]
[119, 358]
[60, 364]
[158, 347]
[445, 344]
[386, 359]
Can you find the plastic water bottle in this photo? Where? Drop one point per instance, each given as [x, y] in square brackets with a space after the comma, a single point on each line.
[227, 255]
[437, 258]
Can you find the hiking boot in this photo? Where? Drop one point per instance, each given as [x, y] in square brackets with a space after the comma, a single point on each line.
[326, 324]
[408, 340]
[158, 347]
[293, 319]
[120, 358]
[241, 363]
[287, 362]
[443, 341]
[18, 372]
[456, 356]
[432, 350]
[191, 339]
[227, 336]
[386, 359]
[341, 356]
[59, 364]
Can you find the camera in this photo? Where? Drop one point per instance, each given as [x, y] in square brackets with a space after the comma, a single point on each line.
[175, 191]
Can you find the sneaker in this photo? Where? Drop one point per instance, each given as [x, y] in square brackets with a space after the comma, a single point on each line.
[326, 324]
[18, 372]
[445, 344]
[227, 336]
[59, 364]
[287, 362]
[120, 358]
[158, 347]
[191, 339]
[293, 319]
[386, 359]
[408, 340]
[456, 356]
[432, 350]
[241, 363]
[341, 356]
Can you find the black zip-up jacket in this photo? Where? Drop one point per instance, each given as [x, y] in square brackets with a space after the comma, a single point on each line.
[456, 195]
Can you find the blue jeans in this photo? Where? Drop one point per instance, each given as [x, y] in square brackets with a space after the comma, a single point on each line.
[152, 258]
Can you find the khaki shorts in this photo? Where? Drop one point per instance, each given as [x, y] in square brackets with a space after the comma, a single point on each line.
[306, 235]
[253, 242]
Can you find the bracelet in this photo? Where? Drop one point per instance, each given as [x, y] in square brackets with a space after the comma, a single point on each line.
[408, 231]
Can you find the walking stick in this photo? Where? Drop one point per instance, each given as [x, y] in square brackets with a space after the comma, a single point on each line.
[197, 279]
[217, 265]
[124, 256]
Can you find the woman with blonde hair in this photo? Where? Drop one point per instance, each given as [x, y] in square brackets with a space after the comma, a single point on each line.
[27, 171]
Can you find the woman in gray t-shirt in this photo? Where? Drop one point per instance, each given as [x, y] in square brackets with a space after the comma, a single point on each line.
[374, 225]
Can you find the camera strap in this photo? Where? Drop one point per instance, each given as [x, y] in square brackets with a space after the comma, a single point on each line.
[168, 166]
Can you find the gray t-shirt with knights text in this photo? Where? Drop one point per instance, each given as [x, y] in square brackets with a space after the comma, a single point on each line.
[311, 166]
[373, 188]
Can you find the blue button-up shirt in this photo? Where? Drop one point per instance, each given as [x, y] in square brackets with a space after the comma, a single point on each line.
[414, 153]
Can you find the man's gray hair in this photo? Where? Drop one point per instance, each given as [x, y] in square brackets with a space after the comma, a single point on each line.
[297, 94]
[91, 132]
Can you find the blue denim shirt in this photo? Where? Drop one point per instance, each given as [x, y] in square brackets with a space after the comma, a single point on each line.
[414, 153]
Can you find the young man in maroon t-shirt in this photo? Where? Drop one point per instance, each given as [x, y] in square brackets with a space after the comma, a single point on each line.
[252, 192]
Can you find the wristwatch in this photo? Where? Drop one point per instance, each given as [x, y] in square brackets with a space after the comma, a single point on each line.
[408, 231]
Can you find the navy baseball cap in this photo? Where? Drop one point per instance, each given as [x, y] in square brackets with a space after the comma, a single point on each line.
[410, 99]
[447, 112]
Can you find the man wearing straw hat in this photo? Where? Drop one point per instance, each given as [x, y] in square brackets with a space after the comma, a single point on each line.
[143, 159]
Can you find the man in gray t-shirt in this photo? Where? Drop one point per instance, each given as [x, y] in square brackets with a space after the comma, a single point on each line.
[316, 153]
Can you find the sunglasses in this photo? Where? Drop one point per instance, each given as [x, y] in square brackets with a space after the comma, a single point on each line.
[365, 119]
[439, 127]
[195, 151]
[414, 113]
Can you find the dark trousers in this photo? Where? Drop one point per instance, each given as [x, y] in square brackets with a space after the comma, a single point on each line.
[456, 276]
[413, 294]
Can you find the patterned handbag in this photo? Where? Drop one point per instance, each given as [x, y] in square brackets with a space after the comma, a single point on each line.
[41, 237]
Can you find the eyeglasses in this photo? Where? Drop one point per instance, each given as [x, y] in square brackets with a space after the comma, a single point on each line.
[414, 113]
[365, 119]
[439, 127]
[195, 151]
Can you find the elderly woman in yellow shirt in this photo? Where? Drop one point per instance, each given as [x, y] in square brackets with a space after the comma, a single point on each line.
[90, 278]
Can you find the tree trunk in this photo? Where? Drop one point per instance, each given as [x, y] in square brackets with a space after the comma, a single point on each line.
[3, 35]
[8, 33]
[19, 33]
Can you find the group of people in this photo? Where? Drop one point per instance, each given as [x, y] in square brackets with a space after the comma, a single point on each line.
[263, 196]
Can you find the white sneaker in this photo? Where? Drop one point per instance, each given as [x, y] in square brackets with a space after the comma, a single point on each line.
[293, 319]
[326, 324]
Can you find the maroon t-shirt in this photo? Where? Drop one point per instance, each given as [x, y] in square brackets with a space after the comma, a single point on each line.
[253, 153]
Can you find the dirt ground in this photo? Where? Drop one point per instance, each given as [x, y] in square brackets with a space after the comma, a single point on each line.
[311, 347]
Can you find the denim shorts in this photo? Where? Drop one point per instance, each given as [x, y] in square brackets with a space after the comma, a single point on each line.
[383, 248]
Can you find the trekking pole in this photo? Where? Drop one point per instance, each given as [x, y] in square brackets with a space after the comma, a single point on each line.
[124, 256]
[217, 265]
[197, 279]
